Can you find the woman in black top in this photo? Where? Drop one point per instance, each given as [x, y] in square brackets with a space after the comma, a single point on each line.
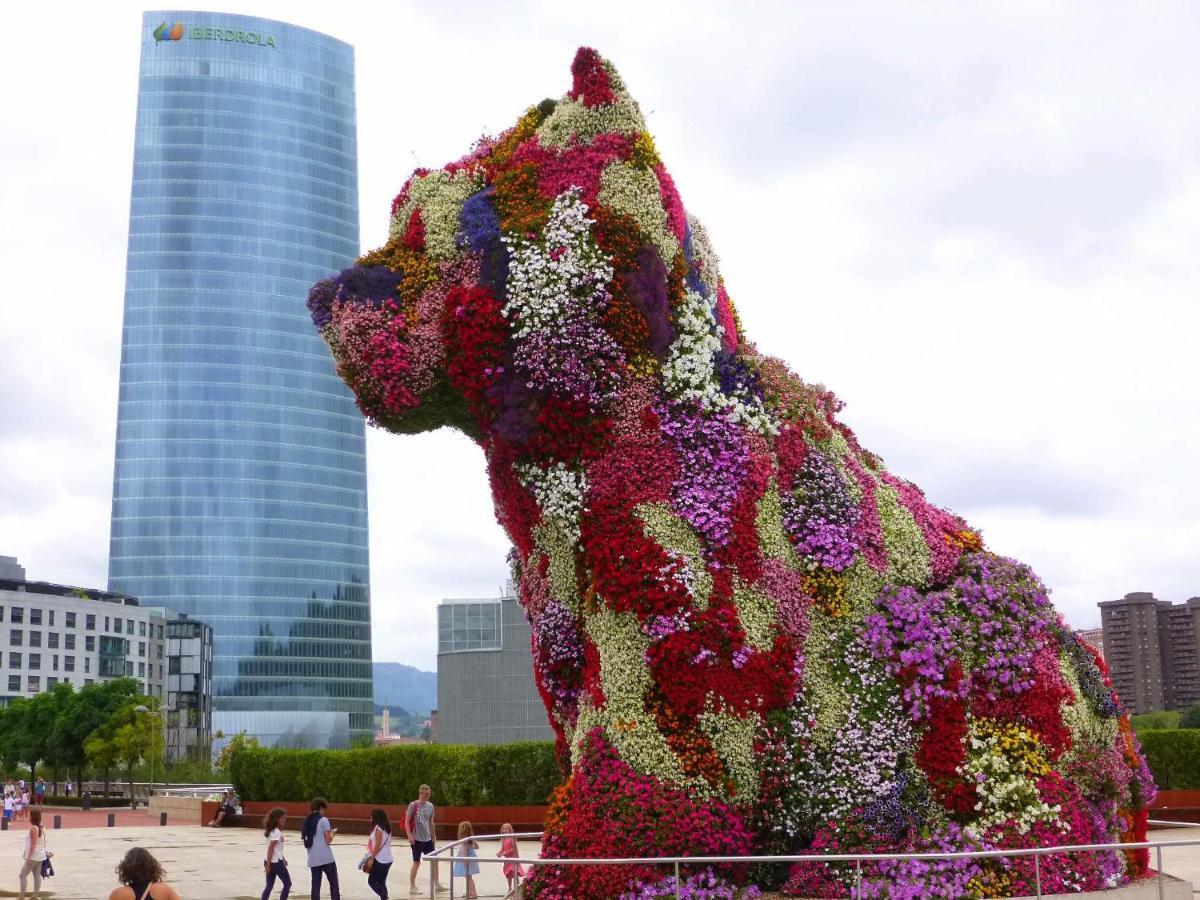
[141, 878]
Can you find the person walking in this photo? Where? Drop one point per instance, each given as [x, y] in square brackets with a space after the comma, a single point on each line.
[420, 826]
[33, 855]
[69, 787]
[275, 863]
[510, 850]
[317, 835]
[379, 848]
[39, 792]
[9, 806]
[141, 878]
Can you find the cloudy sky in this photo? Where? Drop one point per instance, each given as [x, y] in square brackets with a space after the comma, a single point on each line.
[977, 224]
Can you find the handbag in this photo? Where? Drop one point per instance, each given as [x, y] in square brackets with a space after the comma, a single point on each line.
[47, 868]
[366, 862]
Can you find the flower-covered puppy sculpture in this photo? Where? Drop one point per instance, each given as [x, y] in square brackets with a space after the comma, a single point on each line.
[749, 635]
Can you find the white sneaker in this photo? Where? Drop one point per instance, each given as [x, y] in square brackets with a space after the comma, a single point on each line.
[440, 889]
[414, 891]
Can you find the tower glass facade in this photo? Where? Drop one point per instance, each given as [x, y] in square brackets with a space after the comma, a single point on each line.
[239, 494]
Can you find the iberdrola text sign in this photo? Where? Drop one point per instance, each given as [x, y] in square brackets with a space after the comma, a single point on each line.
[204, 33]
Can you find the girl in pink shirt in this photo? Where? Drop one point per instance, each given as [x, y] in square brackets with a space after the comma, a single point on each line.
[508, 849]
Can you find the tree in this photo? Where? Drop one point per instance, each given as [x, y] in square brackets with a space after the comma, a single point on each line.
[83, 713]
[1190, 718]
[46, 718]
[29, 737]
[139, 736]
[11, 724]
[240, 741]
[130, 735]
[124, 735]
[101, 752]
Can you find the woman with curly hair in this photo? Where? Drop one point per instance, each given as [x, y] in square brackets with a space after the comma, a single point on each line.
[141, 878]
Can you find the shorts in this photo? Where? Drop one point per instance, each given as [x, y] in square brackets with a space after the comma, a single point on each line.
[419, 847]
[8, 813]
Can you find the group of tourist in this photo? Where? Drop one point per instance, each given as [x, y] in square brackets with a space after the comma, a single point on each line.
[141, 876]
[317, 834]
[17, 798]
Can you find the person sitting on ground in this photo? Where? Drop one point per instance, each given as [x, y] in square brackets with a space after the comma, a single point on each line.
[141, 878]
[228, 807]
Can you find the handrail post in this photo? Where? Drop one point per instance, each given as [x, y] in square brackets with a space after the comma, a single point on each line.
[1158, 853]
[432, 880]
[676, 879]
[858, 879]
[1037, 873]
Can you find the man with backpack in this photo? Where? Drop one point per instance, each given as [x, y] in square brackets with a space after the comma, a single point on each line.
[317, 834]
[421, 829]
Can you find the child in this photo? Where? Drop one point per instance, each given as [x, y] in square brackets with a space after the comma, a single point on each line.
[274, 865]
[465, 855]
[8, 806]
[509, 849]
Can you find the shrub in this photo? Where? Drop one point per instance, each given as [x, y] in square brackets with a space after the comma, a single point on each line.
[1161, 719]
[1191, 717]
[1173, 756]
[518, 774]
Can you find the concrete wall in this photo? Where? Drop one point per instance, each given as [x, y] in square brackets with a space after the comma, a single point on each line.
[489, 696]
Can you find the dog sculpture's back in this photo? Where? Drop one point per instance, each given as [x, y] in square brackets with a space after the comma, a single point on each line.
[749, 636]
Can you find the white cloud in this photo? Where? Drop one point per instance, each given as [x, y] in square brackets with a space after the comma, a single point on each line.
[975, 224]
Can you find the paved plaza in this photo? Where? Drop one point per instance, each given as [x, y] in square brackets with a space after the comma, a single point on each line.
[215, 863]
[226, 864]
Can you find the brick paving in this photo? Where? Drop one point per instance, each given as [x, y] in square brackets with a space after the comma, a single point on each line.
[74, 817]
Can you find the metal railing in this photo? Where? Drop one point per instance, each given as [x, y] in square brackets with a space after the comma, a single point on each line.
[857, 858]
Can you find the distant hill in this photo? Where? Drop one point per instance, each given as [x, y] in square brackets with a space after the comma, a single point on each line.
[399, 685]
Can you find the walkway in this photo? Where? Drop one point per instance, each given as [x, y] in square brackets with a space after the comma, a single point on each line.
[226, 864]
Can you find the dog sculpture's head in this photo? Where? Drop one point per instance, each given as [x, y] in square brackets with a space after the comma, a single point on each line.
[525, 280]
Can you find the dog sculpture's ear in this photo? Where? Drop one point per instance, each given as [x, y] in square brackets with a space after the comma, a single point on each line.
[598, 103]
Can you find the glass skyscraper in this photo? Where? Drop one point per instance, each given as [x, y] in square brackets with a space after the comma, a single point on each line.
[239, 494]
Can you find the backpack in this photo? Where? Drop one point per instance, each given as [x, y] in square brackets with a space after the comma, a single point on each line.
[308, 831]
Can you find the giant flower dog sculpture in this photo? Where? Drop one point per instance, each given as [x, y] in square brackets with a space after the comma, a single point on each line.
[749, 635]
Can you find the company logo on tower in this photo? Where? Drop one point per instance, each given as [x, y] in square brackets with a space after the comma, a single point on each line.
[166, 32]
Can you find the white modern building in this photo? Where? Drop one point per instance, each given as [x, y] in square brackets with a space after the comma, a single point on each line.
[486, 688]
[52, 633]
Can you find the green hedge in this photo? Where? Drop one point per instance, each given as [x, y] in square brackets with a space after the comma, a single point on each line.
[1173, 756]
[519, 774]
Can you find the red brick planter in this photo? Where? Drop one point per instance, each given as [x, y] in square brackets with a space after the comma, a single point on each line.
[1176, 806]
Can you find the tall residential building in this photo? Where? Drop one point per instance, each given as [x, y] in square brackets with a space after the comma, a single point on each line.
[486, 688]
[55, 633]
[239, 494]
[1152, 648]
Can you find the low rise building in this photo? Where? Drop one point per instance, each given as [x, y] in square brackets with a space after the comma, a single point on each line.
[486, 688]
[54, 633]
